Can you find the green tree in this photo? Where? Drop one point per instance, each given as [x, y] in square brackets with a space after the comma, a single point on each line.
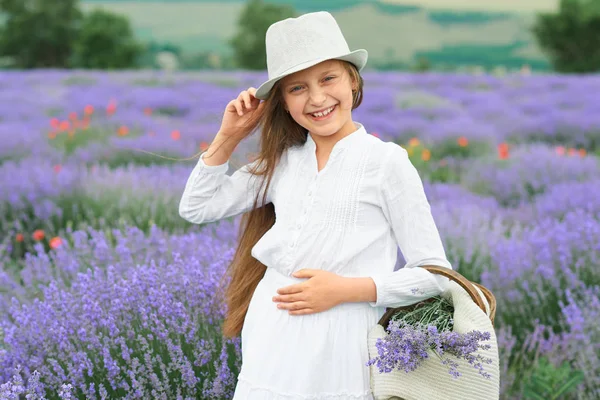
[249, 42]
[571, 36]
[106, 41]
[422, 64]
[147, 58]
[39, 33]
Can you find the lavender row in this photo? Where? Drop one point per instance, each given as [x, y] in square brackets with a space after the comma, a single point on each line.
[135, 321]
[45, 106]
[103, 306]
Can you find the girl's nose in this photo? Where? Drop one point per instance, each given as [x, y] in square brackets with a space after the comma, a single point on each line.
[317, 97]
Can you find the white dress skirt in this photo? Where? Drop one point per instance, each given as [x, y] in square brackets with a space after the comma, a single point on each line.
[319, 356]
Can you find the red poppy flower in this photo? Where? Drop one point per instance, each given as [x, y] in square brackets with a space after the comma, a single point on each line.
[55, 242]
[123, 130]
[38, 235]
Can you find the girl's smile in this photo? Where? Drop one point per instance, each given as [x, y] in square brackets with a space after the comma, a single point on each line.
[323, 114]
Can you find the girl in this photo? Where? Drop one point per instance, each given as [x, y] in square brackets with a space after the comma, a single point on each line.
[326, 206]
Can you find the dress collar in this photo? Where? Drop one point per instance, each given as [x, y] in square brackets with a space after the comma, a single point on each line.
[340, 144]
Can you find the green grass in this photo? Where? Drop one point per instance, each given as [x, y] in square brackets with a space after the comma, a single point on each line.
[126, 157]
[81, 138]
[549, 382]
[54, 112]
[152, 82]
[75, 80]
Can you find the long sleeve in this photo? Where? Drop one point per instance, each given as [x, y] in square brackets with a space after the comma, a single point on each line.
[211, 195]
[406, 208]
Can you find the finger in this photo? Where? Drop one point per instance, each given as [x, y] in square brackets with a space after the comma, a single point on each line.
[254, 102]
[297, 305]
[238, 107]
[240, 100]
[304, 273]
[290, 289]
[286, 298]
[231, 106]
[246, 99]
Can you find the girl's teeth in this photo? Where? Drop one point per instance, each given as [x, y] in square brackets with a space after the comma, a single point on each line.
[321, 114]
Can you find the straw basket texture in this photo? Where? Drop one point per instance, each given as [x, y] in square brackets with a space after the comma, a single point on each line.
[474, 309]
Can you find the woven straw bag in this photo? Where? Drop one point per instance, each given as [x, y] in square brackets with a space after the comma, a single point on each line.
[474, 309]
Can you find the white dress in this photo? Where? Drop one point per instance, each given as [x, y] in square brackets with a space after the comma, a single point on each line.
[348, 218]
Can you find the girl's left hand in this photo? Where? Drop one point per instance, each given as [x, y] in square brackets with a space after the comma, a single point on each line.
[322, 291]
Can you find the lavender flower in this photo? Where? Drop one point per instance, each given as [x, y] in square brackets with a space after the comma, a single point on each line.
[531, 170]
[424, 328]
[407, 346]
[125, 325]
[16, 387]
[526, 227]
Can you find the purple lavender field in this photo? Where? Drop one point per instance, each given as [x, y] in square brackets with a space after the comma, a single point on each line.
[107, 293]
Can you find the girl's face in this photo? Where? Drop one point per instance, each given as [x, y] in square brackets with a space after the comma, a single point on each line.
[319, 98]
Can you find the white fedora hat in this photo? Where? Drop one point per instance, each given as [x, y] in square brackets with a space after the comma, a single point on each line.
[294, 44]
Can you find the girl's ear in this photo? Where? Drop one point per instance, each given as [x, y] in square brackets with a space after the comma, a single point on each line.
[354, 83]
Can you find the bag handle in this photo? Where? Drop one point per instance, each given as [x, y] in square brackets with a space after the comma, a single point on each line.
[459, 279]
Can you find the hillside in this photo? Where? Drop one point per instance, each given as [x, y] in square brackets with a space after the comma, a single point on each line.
[391, 32]
[454, 5]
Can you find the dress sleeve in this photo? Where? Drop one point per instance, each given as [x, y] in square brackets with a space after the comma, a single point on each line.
[211, 195]
[408, 212]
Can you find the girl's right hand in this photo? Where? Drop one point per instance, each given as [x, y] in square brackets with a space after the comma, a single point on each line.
[242, 115]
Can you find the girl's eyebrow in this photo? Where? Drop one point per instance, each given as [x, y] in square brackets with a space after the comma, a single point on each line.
[298, 81]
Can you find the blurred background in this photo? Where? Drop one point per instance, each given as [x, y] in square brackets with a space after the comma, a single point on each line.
[450, 35]
[106, 292]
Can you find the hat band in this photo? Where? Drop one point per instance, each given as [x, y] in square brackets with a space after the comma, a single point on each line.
[280, 73]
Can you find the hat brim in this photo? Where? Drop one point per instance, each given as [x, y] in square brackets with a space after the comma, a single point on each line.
[357, 57]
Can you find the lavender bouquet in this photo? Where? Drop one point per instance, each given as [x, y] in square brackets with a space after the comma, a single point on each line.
[428, 325]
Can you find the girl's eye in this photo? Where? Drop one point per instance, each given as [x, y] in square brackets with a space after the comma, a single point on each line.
[296, 88]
